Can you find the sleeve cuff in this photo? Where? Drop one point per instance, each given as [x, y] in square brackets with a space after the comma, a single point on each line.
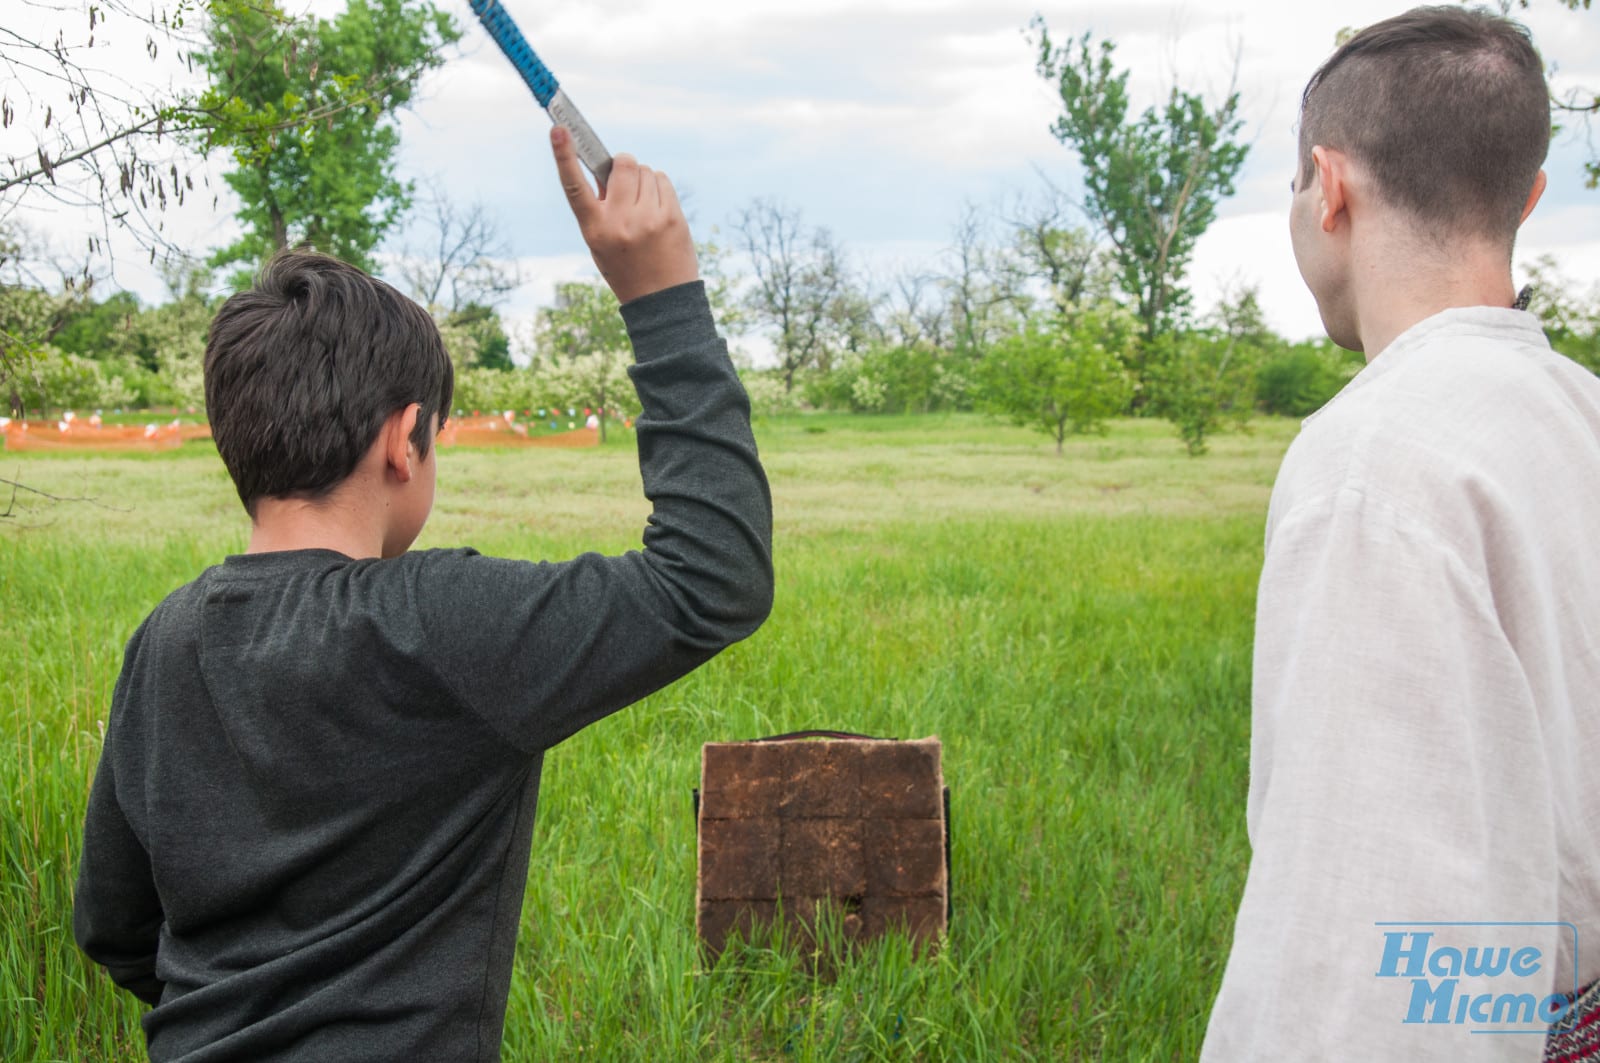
[670, 320]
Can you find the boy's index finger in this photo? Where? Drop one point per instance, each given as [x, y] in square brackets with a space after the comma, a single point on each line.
[579, 194]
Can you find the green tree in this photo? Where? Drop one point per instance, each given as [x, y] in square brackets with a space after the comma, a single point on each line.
[492, 347]
[912, 377]
[60, 349]
[165, 341]
[37, 371]
[1063, 374]
[583, 319]
[61, 381]
[33, 310]
[175, 331]
[597, 381]
[155, 354]
[495, 391]
[1203, 378]
[307, 109]
[585, 350]
[1571, 318]
[1298, 380]
[1152, 183]
[98, 329]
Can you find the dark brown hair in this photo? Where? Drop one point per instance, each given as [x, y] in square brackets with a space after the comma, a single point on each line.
[303, 368]
[1447, 107]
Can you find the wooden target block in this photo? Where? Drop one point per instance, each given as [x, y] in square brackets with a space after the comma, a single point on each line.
[788, 826]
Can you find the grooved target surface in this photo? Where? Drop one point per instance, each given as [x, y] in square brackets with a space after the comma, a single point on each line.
[788, 826]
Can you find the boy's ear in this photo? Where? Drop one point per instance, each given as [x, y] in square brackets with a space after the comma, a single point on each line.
[397, 446]
[1533, 197]
[1332, 173]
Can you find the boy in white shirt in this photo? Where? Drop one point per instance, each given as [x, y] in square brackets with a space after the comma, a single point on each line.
[1424, 810]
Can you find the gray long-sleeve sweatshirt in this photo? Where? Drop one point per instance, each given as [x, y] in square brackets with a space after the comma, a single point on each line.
[308, 835]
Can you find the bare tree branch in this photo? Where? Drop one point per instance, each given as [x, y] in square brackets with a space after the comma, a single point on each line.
[16, 486]
[467, 258]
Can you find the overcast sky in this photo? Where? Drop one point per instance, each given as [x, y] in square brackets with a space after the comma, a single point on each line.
[879, 118]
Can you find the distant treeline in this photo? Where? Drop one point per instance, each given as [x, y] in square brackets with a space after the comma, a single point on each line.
[1024, 320]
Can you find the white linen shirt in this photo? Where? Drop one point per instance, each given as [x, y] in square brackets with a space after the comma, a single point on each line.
[1426, 700]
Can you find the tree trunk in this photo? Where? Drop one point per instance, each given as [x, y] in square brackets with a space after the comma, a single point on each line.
[280, 227]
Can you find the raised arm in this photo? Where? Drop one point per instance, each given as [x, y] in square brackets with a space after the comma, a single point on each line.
[562, 644]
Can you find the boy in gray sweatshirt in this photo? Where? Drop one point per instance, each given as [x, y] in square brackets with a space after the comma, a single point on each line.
[308, 835]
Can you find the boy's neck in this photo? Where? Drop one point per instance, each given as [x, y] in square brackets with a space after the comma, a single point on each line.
[376, 511]
[337, 522]
[1398, 286]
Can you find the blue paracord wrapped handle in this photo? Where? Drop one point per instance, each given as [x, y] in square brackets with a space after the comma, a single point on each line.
[545, 88]
[515, 45]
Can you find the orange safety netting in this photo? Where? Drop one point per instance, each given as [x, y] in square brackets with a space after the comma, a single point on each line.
[503, 431]
[78, 434]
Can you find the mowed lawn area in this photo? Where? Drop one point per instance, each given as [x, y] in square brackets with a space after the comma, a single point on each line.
[1077, 630]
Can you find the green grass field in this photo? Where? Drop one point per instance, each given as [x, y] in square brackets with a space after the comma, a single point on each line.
[1077, 630]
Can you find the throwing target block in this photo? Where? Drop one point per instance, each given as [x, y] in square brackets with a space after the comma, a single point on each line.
[788, 825]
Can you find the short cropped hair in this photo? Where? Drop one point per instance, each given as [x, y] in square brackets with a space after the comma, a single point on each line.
[1446, 107]
[303, 368]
